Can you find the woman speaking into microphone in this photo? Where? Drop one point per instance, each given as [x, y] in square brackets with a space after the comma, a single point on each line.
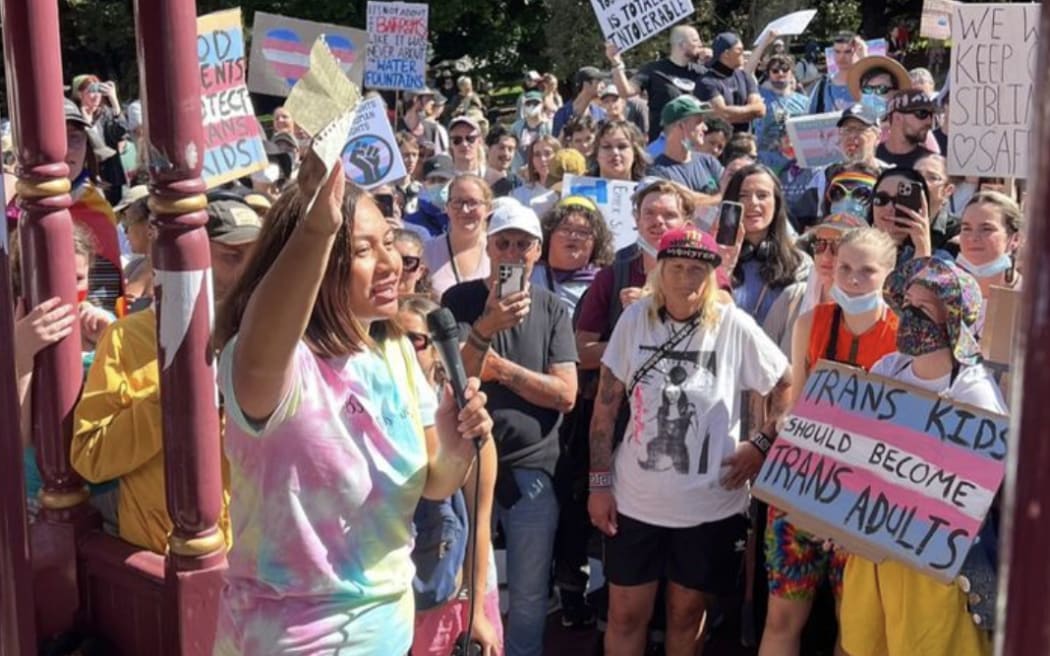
[327, 459]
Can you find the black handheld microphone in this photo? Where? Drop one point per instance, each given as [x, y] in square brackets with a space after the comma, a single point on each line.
[444, 333]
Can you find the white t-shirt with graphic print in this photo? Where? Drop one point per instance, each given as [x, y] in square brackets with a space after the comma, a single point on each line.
[685, 412]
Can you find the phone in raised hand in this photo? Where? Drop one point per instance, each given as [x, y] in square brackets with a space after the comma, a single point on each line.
[511, 279]
[729, 215]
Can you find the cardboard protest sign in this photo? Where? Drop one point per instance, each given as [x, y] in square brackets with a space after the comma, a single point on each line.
[1002, 317]
[613, 198]
[233, 144]
[936, 21]
[280, 52]
[793, 23]
[885, 469]
[629, 22]
[397, 46]
[875, 47]
[992, 71]
[815, 139]
[370, 155]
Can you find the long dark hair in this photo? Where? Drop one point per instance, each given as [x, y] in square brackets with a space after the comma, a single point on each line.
[780, 259]
[911, 175]
[332, 330]
[634, 135]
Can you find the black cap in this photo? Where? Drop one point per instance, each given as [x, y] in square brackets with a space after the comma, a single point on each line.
[589, 74]
[860, 113]
[439, 165]
[232, 222]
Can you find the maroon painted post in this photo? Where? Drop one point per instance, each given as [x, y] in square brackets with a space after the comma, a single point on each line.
[170, 77]
[17, 632]
[1024, 575]
[34, 74]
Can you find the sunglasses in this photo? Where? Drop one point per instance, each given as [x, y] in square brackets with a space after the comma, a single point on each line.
[882, 199]
[409, 263]
[921, 114]
[839, 191]
[821, 246]
[460, 140]
[521, 245]
[877, 89]
[779, 69]
[420, 341]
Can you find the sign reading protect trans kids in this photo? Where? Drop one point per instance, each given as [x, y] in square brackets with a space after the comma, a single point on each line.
[629, 22]
[885, 469]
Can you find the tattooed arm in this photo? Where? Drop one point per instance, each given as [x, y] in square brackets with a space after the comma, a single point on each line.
[555, 389]
[601, 506]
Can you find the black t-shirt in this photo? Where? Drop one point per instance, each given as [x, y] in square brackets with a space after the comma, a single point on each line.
[526, 435]
[700, 174]
[905, 161]
[734, 86]
[661, 81]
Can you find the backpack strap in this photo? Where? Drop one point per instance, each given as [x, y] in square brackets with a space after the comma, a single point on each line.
[822, 87]
[621, 279]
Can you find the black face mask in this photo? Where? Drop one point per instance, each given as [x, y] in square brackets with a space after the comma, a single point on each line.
[918, 334]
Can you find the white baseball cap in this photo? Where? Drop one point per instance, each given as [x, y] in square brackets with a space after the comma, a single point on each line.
[515, 217]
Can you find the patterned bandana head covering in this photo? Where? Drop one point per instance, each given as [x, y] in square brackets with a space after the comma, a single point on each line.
[961, 296]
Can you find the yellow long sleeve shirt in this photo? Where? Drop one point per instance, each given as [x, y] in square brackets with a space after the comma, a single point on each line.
[117, 431]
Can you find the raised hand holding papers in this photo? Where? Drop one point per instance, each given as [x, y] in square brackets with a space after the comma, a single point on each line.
[794, 23]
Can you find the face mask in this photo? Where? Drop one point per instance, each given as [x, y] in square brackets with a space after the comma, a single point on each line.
[875, 104]
[646, 247]
[436, 195]
[918, 334]
[850, 206]
[993, 268]
[854, 305]
[532, 111]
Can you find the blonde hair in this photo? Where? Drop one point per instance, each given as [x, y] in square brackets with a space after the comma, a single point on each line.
[709, 298]
[875, 239]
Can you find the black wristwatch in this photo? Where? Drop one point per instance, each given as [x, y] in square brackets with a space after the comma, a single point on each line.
[762, 442]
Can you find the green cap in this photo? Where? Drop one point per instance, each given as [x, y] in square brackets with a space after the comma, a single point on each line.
[683, 107]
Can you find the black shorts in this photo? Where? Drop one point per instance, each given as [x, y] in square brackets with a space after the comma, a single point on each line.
[705, 557]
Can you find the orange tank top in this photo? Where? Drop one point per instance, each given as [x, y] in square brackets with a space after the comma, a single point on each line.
[858, 350]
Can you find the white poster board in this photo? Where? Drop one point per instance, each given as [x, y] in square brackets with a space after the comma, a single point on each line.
[613, 198]
[794, 23]
[629, 22]
[397, 46]
[994, 56]
[371, 156]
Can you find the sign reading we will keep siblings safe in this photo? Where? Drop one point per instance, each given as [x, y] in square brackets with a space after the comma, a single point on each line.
[992, 77]
[397, 46]
[885, 469]
[629, 22]
[233, 144]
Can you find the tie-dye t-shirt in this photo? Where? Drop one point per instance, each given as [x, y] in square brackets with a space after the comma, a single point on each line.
[323, 495]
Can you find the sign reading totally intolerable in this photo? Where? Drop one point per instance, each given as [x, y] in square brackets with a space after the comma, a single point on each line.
[397, 46]
[233, 144]
[629, 22]
[885, 469]
[992, 77]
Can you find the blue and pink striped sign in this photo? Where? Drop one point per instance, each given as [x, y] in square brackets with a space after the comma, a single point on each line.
[886, 470]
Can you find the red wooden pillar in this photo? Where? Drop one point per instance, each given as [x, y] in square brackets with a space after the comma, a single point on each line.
[170, 82]
[34, 74]
[1024, 574]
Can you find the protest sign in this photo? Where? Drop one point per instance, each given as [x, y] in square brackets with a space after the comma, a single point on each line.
[629, 22]
[233, 144]
[1002, 317]
[875, 47]
[613, 198]
[280, 52]
[370, 154]
[815, 139]
[397, 46]
[885, 469]
[936, 21]
[992, 71]
[794, 23]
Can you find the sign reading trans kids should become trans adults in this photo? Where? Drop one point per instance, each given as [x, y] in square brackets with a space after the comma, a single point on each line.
[371, 156]
[629, 22]
[233, 144]
[397, 46]
[994, 55]
[885, 469]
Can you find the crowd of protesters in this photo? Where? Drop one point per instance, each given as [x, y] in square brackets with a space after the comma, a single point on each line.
[631, 394]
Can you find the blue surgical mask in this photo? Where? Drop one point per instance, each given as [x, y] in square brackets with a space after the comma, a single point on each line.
[850, 206]
[875, 104]
[854, 305]
[436, 195]
[993, 268]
